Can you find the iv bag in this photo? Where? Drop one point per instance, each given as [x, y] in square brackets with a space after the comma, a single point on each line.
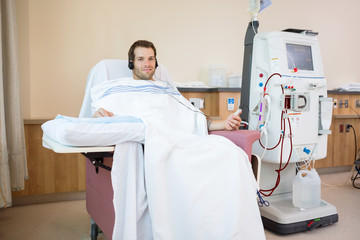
[254, 7]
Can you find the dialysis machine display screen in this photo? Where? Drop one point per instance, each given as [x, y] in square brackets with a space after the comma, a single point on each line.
[299, 56]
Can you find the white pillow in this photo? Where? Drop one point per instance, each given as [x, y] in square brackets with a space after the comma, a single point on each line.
[107, 131]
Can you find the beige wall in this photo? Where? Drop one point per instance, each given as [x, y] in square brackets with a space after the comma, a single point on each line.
[60, 40]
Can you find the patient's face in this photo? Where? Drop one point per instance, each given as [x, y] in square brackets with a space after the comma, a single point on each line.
[144, 64]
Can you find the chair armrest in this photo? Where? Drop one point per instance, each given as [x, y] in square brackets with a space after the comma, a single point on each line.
[61, 148]
[242, 138]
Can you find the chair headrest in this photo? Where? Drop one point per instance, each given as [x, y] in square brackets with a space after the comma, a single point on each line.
[109, 69]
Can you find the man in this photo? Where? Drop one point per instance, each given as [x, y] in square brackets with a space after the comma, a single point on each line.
[143, 62]
[184, 183]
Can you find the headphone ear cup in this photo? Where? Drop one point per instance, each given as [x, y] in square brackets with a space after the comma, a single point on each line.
[156, 63]
[131, 65]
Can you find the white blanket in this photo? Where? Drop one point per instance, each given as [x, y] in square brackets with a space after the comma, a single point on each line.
[188, 185]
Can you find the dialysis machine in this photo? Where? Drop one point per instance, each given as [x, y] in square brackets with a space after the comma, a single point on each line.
[284, 96]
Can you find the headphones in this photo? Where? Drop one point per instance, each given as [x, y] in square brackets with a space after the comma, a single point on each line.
[131, 64]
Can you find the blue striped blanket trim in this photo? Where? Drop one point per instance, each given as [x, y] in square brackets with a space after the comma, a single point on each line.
[115, 119]
[154, 89]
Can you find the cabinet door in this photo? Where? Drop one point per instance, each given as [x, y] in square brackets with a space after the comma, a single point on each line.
[344, 149]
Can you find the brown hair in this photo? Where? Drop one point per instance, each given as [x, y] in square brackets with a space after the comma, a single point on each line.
[140, 43]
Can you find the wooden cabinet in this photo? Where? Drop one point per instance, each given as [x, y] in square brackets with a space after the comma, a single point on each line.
[211, 106]
[50, 172]
[341, 143]
[215, 100]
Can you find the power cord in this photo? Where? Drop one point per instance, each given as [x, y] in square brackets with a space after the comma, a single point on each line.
[354, 178]
[356, 167]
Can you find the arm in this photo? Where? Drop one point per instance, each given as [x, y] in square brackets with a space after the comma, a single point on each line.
[231, 123]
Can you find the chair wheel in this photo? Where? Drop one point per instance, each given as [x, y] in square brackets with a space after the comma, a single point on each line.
[94, 230]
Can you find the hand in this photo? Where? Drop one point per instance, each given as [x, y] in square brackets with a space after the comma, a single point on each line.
[102, 113]
[233, 122]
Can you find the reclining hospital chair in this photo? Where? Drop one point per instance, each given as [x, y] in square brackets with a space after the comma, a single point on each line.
[99, 191]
